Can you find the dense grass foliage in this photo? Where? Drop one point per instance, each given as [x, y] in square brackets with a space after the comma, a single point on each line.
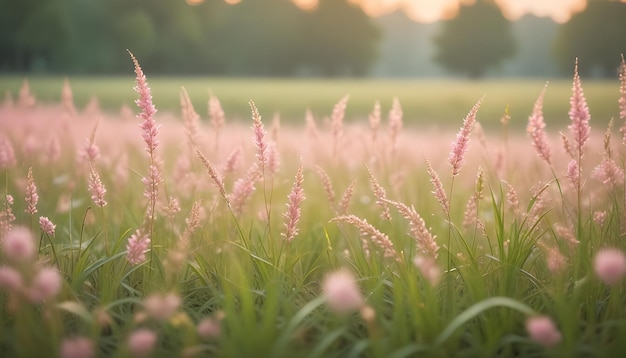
[164, 235]
[436, 102]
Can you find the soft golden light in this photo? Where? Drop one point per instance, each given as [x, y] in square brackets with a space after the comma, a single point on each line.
[194, 2]
[559, 10]
[306, 4]
[434, 10]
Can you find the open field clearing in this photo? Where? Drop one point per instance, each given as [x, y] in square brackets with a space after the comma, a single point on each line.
[159, 234]
[424, 102]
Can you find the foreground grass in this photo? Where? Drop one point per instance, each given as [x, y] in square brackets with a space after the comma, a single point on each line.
[425, 102]
[499, 261]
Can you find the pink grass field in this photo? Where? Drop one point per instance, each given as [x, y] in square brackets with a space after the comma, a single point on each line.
[171, 234]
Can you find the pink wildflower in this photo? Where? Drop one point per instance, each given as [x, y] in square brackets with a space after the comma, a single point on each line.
[342, 292]
[610, 265]
[138, 245]
[428, 268]
[46, 285]
[10, 279]
[536, 130]
[46, 225]
[141, 342]
[292, 215]
[7, 154]
[162, 307]
[31, 193]
[579, 114]
[19, 244]
[96, 188]
[461, 144]
[77, 347]
[543, 331]
[210, 327]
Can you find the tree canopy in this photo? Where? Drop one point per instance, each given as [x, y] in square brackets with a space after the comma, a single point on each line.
[597, 36]
[270, 37]
[475, 40]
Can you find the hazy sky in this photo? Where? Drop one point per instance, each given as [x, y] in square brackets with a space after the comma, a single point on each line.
[433, 10]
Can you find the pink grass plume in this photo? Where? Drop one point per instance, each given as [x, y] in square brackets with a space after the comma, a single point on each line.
[461, 143]
[374, 120]
[622, 98]
[11, 279]
[96, 188]
[31, 193]
[294, 210]
[148, 125]
[7, 154]
[259, 137]
[214, 175]
[425, 242]
[373, 234]
[137, 246]
[579, 115]
[190, 117]
[381, 195]
[439, 192]
[536, 129]
[395, 123]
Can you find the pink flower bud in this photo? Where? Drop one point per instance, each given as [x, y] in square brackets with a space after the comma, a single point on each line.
[19, 245]
[543, 331]
[141, 342]
[610, 265]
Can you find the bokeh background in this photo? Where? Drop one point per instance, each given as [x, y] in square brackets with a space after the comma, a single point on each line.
[314, 38]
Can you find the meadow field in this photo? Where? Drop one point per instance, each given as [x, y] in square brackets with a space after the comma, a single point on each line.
[202, 226]
[425, 102]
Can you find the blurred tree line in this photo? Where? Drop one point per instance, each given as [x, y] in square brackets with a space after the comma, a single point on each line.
[272, 38]
[269, 37]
